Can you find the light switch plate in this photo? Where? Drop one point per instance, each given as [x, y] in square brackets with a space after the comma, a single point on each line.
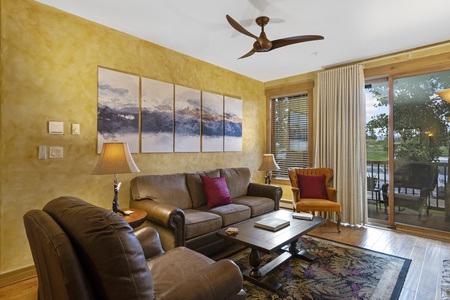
[56, 127]
[56, 152]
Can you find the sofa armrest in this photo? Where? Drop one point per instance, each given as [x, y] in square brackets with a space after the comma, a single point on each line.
[273, 192]
[150, 242]
[166, 216]
[221, 280]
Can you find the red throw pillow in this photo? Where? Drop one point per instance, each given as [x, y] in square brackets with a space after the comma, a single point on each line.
[216, 191]
[312, 186]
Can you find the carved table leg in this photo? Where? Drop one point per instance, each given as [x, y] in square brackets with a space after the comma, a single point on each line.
[255, 261]
[301, 253]
[257, 275]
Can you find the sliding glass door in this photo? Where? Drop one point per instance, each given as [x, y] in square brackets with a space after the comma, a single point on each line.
[408, 149]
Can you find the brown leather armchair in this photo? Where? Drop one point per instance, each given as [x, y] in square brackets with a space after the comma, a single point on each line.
[327, 204]
[82, 251]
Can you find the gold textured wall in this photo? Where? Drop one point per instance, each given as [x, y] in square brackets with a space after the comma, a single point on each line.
[49, 63]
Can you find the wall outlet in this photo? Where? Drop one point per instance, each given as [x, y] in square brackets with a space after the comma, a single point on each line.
[56, 152]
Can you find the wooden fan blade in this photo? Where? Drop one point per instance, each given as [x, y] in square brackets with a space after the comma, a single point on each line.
[248, 54]
[239, 28]
[294, 40]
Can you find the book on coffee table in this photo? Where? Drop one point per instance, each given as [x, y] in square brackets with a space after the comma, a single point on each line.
[303, 216]
[272, 224]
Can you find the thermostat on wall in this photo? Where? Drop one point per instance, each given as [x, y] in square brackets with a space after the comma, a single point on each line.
[56, 127]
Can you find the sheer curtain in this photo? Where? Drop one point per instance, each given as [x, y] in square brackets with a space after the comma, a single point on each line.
[340, 139]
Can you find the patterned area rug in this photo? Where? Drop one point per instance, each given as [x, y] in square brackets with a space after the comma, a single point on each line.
[445, 281]
[340, 272]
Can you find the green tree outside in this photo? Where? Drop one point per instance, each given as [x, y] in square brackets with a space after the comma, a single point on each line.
[421, 131]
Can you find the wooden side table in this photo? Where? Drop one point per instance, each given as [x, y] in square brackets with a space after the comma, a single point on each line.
[136, 217]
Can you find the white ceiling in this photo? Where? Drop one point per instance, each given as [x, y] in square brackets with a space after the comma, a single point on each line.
[353, 29]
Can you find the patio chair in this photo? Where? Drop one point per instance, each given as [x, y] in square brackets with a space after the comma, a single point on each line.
[413, 185]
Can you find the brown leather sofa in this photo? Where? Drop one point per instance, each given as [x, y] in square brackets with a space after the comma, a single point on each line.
[82, 251]
[176, 206]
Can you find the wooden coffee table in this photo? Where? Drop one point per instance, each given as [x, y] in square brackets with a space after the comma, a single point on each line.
[262, 240]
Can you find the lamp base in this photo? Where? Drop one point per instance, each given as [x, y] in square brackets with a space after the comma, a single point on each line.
[115, 203]
[268, 178]
[117, 209]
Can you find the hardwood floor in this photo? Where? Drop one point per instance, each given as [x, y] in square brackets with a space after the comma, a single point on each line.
[422, 282]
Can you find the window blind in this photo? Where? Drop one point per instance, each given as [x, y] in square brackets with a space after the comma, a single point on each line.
[289, 132]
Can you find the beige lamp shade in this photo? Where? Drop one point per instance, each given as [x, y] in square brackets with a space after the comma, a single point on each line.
[115, 159]
[268, 163]
[444, 94]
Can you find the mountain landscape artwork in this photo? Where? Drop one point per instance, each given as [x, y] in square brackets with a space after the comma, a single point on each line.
[212, 122]
[118, 109]
[157, 116]
[187, 119]
[233, 124]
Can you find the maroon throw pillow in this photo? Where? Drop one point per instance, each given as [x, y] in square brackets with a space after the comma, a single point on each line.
[312, 186]
[216, 191]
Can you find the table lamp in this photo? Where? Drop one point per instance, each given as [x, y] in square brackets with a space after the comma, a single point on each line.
[268, 164]
[115, 159]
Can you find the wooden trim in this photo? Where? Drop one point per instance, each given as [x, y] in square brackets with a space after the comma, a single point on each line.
[432, 63]
[289, 90]
[424, 232]
[17, 275]
[391, 152]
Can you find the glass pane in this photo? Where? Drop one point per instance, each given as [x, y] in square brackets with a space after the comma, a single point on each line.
[421, 143]
[377, 113]
[289, 117]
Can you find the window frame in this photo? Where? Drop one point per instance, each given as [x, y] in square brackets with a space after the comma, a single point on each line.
[289, 91]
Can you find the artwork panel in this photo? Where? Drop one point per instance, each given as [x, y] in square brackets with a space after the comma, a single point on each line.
[212, 122]
[187, 119]
[233, 124]
[118, 109]
[157, 126]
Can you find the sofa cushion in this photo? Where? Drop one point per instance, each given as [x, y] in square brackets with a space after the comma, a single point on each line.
[258, 205]
[311, 186]
[107, 248]
[201, 222]
[237, 179]
[168, 189]
[195, 186]
[216, 191]
[176, 265]
[230, 214]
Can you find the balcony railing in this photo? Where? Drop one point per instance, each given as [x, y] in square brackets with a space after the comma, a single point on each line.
[378, 174]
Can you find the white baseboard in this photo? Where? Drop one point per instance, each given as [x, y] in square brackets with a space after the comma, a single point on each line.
[286, 203]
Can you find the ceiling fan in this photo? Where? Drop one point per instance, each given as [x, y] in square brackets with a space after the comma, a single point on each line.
[262, 43]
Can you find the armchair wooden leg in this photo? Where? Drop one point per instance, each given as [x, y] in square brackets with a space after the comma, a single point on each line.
[338, 221]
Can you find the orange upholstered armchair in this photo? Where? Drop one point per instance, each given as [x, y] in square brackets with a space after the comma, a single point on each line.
[311, 191]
